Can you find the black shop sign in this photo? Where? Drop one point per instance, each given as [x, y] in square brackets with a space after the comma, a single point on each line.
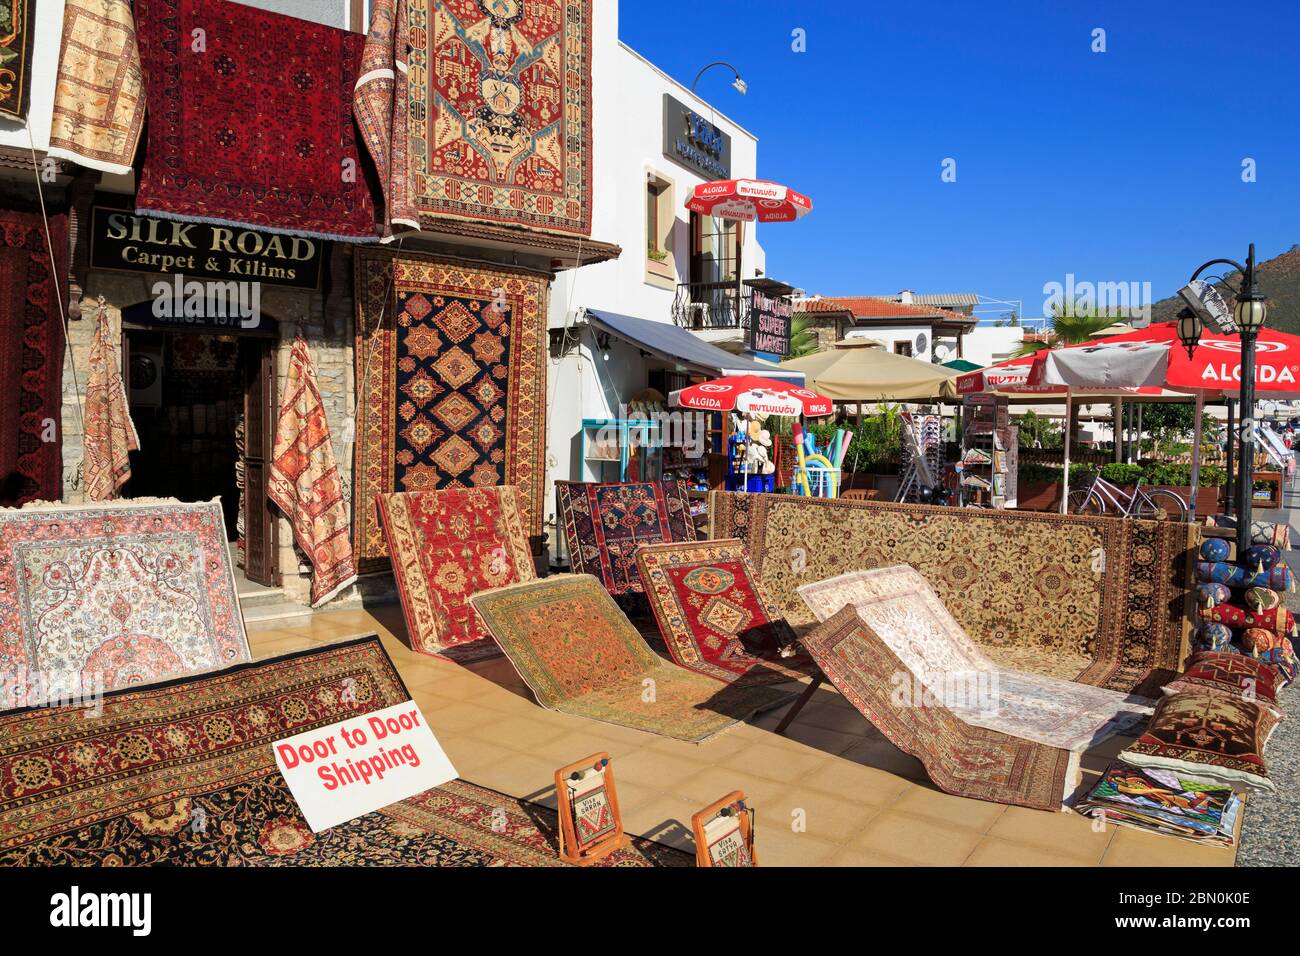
[693, 141]
[769, 322]
[125, 241]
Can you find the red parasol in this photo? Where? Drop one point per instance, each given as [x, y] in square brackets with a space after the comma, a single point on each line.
[752, 393]
[749, 200]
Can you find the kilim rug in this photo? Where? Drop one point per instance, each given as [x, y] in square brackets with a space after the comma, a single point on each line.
[961, 759]
[451, 378]
[97, 597]
[109, 435]
[99, 93]
[580, 655]
[604, 523]
[17, 29]
[304, 481]
[903, 610]
[448, 545]
[499, 95]
[1096, 600]
[182, 774]
[31, 357]
[253, 128]
[713, 614]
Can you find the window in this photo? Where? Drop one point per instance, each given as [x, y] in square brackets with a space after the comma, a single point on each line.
[903, 348]
[660, 216]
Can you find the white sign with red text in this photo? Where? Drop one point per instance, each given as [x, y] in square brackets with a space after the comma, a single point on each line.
[346, 770]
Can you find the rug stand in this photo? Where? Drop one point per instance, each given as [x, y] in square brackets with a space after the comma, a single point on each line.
[799, 704]
[732, 803]
[571, 849]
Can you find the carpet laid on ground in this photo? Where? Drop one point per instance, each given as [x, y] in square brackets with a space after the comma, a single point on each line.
[714, 616]
[254, 126]
[605, 522]
[480, 111]
[31, 356]
[451, 383]
[961, 759]
[903, 611]
[447, 546]
[1101, 601]
[183, 774]
[580, 655]
[110, 595]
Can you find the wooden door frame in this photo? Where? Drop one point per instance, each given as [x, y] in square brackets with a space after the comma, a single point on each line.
[262, 352]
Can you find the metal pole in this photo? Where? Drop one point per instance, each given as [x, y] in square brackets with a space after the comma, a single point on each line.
[1065, 471]
[1229, 488]
[1196, 457]
[1246, 482]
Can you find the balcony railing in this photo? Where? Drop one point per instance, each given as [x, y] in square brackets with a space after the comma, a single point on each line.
[710, 305]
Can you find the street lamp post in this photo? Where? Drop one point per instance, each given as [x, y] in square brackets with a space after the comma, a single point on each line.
[740, 85]
[1249, 313]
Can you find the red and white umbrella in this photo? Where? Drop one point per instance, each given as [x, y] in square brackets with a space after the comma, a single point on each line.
[749, 200]
[754, 394]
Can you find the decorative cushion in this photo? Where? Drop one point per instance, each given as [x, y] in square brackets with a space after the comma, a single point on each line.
[1277, 578]
[1261, 532]
[1214, 737]
[1261, 557]
[1271, 648]
[1278, 620]
[1227, 674]
[1261, 599]
[1212, 594]
[1214, 637]
[1215, 549]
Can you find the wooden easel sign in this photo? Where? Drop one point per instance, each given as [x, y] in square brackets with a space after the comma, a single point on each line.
[724, 833]
[591, 827]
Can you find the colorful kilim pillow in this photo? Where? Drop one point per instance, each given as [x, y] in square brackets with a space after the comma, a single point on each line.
[1273, 649]
[1212, 637]
[713, 614]
[450, 544]
[1278, 619]
[1212, 594]
[1261, 532]
[1261, 599]
[1212, 736]
[580, 655]
[1233, 675]
[605, 523]
[1261, 557]
[1215, 549]
[1278, 577]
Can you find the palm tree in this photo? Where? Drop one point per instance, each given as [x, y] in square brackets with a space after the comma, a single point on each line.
[1068, 326]
[803, 337]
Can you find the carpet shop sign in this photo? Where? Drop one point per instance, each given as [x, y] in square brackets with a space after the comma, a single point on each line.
[356, 766]
[123, 241]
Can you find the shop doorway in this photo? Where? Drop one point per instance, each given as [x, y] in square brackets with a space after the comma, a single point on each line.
[203, 403]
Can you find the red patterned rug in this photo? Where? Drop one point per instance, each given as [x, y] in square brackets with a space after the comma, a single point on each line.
[255, 127]
[604, 523]
[498, 96]
[31, 357]
[451, 379]
[447, 546]
[713, 614]
[96, 597]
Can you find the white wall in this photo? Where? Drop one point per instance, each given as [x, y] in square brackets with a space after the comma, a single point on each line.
[45, 66]
[627, 120]
[888, 335]
[988, 344]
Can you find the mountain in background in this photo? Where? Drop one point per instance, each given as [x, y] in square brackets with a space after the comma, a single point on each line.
[1278, 278]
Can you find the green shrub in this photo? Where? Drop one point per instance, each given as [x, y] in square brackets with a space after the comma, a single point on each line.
[1119, 473]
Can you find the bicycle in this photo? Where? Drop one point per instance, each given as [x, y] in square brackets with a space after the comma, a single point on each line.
[1101, 498]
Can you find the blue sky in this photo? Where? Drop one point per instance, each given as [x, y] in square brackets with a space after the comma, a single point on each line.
[1122, 166]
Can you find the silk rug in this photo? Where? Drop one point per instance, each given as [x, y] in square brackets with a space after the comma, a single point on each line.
[255, 128]
[480, 111]
[1101, 601]
[961, 759]
[604, 523]
[31, 357]
[714, 616]
[182, 774]
[304, 481]
[99, 93]
[451, 383]
[904, 612]
[109, 435]
[448, 545]
[98, 597]
[580, 655]
[17, 30]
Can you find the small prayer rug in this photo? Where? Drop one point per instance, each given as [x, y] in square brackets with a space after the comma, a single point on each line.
[713, 614]
[109, 435]
[17, 30]
[98, 597]
[580, 655]
[182, 774]
[447, 546]
[961, 759]
[604, 524]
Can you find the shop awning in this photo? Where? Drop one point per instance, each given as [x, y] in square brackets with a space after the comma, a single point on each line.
[672, 343]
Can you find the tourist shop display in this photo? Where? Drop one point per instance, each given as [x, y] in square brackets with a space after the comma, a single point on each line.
[580, 655]
[1164, 801]
[1227, 674]
[724, 832]
[590, 825]
[108, 434]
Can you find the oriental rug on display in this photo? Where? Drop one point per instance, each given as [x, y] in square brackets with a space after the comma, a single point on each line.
[17, 30]
[183, 774]
[480, 111]
[252, 127]
[1097, 600]
[451, 384]
[447, 546]
[98, 597]
[580, 655]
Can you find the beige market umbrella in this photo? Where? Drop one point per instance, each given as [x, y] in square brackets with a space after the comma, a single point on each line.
[854, 371]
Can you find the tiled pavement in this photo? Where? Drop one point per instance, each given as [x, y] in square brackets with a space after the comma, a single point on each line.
[832, 792]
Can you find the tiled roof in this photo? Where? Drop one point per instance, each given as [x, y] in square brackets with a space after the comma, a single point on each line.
[819, 305]
[941, 300]
[871, 307]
